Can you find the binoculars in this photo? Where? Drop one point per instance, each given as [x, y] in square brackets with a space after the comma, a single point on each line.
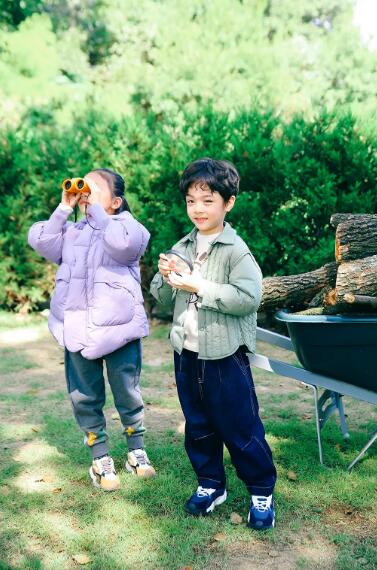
[75, 186]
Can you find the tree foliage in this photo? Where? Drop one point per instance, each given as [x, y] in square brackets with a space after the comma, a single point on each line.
[165, 55]
[294, 175]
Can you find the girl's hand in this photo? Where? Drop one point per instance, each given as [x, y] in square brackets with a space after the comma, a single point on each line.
[190, 282]
[69, 199]
[95, 191]
[165, 266]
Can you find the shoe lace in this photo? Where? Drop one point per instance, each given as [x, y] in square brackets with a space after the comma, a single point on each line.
[141, 456]
[107, 465]
[262, 504]
[203, 492]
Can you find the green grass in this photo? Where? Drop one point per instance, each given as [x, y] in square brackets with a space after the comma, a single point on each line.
[10, 361]
[46, 522]
[16, 320]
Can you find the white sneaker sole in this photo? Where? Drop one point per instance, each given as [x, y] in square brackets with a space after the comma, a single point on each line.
[98, 485]
[93, 477]
[219, 501]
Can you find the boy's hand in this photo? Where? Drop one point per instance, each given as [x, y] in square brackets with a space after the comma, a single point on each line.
[165, 266]
[190, 282]
[69, 199]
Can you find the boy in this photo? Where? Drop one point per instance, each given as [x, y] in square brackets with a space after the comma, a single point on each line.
[214, 325]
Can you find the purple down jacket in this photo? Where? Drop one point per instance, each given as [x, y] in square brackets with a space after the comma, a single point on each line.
[97, 305]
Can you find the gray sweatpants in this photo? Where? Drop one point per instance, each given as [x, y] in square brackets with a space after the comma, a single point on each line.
[86, 387]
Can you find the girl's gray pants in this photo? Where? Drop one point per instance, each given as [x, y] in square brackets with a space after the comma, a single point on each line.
[86, 388]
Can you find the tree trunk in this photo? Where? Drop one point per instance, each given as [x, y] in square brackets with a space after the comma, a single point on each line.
[337, 219]
[356, 239]
[358, 277]
[296, 290]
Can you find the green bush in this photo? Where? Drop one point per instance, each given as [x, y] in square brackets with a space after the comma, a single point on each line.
[293, 177]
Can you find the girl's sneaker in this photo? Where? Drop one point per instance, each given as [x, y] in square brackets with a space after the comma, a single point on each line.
[262, 513]
[203, 501]
[103, 474]
[138, 464]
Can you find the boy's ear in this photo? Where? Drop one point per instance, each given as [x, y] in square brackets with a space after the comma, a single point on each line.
[230, 203]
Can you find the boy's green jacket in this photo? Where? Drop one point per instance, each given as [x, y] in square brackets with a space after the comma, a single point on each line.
[227, 311]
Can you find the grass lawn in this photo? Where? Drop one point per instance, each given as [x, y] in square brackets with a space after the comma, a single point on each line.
[52, 518]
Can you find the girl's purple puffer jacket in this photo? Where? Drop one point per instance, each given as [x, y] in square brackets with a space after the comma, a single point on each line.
[97, 305]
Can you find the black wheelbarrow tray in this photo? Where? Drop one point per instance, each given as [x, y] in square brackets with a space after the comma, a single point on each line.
[338, 354]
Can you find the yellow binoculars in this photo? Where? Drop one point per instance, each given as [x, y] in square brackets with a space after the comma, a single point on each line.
[75, 186]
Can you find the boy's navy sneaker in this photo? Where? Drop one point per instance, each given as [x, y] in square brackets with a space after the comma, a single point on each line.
[203, 501]
[262, 513]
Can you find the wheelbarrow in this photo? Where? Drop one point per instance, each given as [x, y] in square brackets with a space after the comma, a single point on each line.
[339, 357]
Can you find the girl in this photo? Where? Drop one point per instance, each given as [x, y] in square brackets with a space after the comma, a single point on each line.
[97, 314]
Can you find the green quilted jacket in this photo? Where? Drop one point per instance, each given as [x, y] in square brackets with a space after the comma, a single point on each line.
[227, 311]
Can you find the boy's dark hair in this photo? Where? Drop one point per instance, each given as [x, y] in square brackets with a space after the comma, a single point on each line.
[219, 175]
[117, 185]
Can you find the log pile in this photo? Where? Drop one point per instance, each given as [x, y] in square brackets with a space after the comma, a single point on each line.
[349, 284]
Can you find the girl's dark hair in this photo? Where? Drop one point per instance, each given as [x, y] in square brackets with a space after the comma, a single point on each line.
[117, 185]
[219, 175]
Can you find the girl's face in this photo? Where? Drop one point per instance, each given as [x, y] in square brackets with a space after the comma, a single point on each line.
[100, 193]
[207, 209]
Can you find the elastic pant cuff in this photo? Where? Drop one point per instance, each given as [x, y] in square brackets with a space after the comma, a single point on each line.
[135, 442]
[99, 449]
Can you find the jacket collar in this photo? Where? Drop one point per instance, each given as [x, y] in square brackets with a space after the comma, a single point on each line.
[227, 236]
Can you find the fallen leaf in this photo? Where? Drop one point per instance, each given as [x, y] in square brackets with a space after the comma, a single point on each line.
[57, 490]
[48, 479]
[273, 553]
[235, 518]
[292, 475]
[35, 429]
[81, 559]
[186, 568]
[219, 537]
[306, 416]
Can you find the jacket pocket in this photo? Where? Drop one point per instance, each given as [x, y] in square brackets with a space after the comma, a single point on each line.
[113, 298]
[59, 297]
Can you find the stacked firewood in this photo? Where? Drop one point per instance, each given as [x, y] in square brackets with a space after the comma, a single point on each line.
[348, 284]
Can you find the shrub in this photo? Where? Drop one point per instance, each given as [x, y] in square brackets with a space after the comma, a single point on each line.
[293, 177]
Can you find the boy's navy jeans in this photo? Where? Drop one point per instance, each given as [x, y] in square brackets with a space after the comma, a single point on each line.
[220, 407]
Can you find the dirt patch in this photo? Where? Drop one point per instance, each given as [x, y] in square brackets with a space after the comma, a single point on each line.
[310, 552]
[349, 520]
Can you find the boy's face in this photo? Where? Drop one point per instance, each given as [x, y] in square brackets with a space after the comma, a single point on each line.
[207, 209]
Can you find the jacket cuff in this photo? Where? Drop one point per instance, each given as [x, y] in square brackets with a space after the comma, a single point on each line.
[206, 299]
[65, 208]
[99, 216]
[202, 288]
[57, 219]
